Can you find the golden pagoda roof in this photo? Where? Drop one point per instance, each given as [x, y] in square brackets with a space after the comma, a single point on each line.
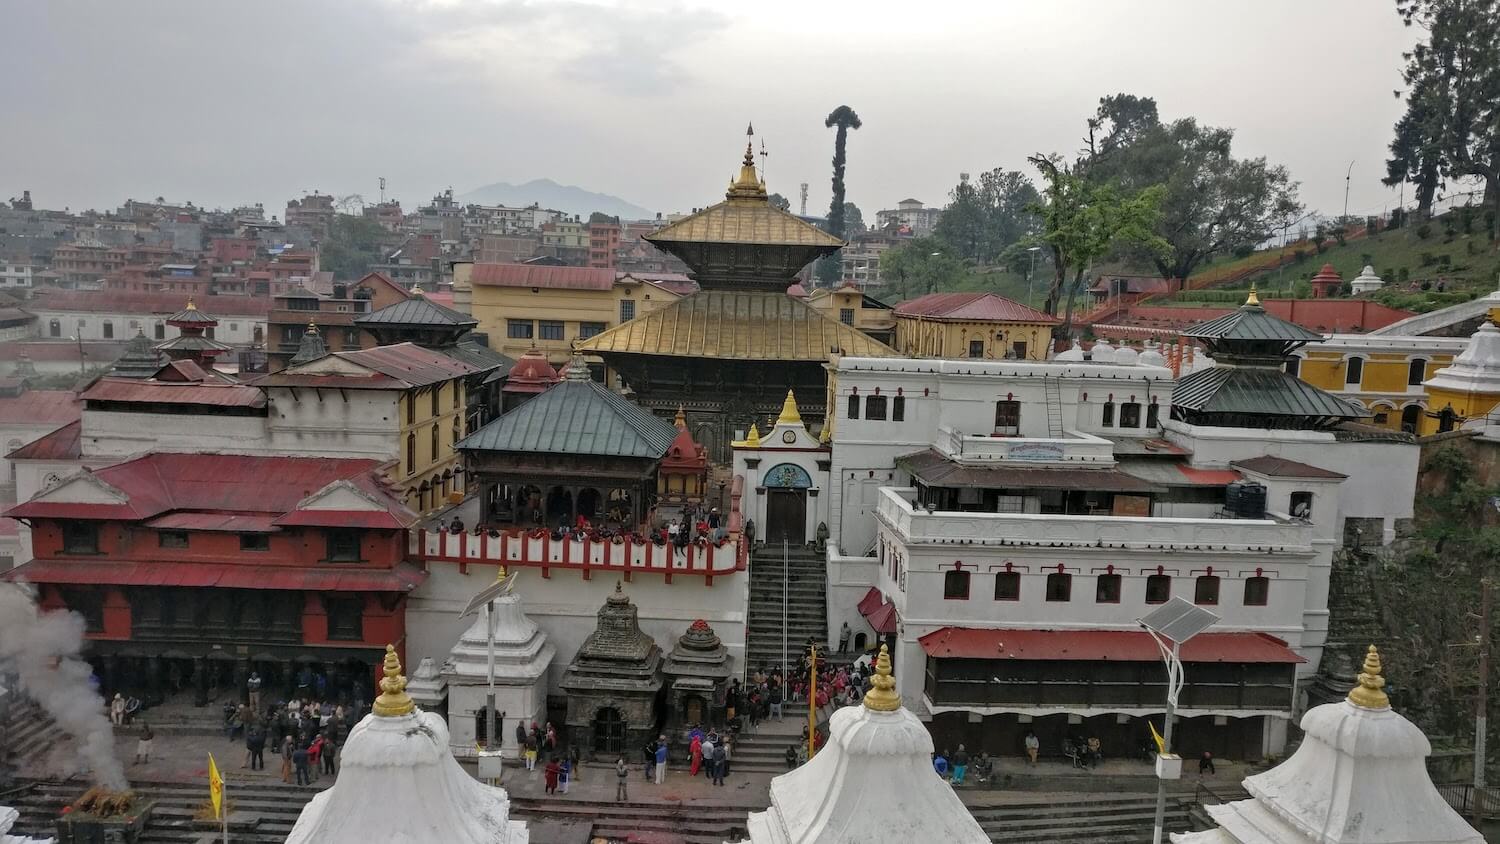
[740, 325]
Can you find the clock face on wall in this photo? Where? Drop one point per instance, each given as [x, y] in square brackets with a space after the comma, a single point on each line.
[788, 437]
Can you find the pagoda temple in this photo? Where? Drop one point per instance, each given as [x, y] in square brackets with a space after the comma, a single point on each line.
[141, 359]
[1249, 386]
[728, 353]
[531, 376]
[194, 341]
[683, 476]
[613, 683]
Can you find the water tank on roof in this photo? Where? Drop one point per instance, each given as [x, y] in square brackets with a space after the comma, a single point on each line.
[1245, 500]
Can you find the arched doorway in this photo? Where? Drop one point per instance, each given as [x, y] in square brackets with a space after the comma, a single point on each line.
[559, 505]
[588, 504]
[609, 731]
[1411, 416]
[694, 710]
[786, 504]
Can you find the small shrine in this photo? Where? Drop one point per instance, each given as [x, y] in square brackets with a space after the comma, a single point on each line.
[698, 671]
[682, 478]
[872, 781]
[1327, 283]
[613, 683]
[788, 468]
[1466, 389]
[310, 348]
[399, 784]
[531, 376]
[1360, 775]
[1366, 282]
[522, 656]
[192, 342]
[141, 359]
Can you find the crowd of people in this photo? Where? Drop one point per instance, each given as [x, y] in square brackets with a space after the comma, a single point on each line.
[305, 732]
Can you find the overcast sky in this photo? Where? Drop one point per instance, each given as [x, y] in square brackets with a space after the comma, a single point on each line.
[226, 103]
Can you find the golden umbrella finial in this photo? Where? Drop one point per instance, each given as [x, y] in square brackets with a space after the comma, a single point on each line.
[1253, 299]
[752, 439]
[789, 413]
[1370, 693]
[312, 326]
[190, 305]
[393, 701]
[882, 695]
[681, 420]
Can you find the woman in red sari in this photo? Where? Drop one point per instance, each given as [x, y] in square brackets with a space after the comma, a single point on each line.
[696, 749]
[551, 773]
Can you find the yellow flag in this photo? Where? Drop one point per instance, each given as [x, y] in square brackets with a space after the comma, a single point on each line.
[215, 788]
[1161, 743]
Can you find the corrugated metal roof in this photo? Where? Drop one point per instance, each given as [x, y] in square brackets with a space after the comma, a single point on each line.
[533, 275]
[410, 363]
[576, 417]
[62, 444]
[481, 358]
[745, 221]
[372, 519]
[121, 302]
[418, 310]
[403, 577]
[1251, 322]
[229, 522]
[1258, 391]
[737, 325]
[1280, 467]
[1171, 473]
[38, 407]
[934, 469]
[111, 388]
[972, 307]
[1101, 645]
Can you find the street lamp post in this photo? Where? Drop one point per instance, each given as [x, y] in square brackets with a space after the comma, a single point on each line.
[1031, 273]
[1169, 626]
[1347, 174]
[503, 585]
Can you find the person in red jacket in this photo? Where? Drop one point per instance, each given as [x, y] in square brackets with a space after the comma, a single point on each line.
[551, 773]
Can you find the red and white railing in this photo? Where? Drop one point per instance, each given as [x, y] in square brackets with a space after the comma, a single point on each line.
[615, 556]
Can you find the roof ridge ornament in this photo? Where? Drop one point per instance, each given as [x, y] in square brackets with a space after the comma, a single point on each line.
[748, 185]
[1253, 300]
[882, 696]
[790, 415]
[1370, 693]
[393, 701]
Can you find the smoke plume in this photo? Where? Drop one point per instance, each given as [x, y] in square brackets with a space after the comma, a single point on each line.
[42, 650]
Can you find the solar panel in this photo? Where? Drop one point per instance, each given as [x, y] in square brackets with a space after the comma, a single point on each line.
[1179, 620]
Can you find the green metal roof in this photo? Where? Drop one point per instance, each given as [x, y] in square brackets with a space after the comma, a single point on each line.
[576, 417]
[1258, 391]
[1251, 322]
[418, 310]
[479, 356]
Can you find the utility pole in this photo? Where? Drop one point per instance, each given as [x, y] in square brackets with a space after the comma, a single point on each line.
[803, 212]
[1347, 174]
[1481, 713]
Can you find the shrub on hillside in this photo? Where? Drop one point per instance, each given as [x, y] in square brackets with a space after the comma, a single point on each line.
[1403, 275]
[1427, 259]
[1424, 231]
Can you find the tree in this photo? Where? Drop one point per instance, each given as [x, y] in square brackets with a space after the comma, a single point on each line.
[779, 201]
[844, 119]
[982, 222]
[600, 218]
[1083, 219]
[1212, 203]
[353, 244]
[963, 222]
[921, 265]
[854, 219]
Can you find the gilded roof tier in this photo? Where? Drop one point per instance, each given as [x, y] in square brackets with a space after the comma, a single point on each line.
[737, 324]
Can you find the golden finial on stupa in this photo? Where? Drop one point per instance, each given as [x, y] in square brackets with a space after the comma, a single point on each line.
[752, 439]
[416, 289]
[789, 413]
[748, 185]
[681, 420]
[312, 326]
[882, 695]
[190, 305]
[499, 573]
[393, 701]
[1253, 299]
[1370, 693]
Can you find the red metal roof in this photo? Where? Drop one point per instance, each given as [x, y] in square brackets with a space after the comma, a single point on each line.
[174, 392]
[229, 522]
[532, 275]
[402, 366]
[985, 307]
[880, 613]
[58, 407]
[61, 350]
[62, 444]
[871, 601]
[343, 518]
[121, 302]
[1209, 477]
[403, 577]
[1324, 315]
[1101, 645]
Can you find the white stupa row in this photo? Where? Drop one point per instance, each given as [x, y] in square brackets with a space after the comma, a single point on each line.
[1359, 777]
[1154, 354]
[872, 781]
[399, 784]
[8, 818]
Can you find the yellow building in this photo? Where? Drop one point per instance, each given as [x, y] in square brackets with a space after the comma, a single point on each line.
[852, 306]
[526, 306]
[1387, 375]
[972, 325]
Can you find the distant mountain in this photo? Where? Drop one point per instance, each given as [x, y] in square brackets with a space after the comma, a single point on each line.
[549, 194]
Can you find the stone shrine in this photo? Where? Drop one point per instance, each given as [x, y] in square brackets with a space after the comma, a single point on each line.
[698, 671]
[614, 684]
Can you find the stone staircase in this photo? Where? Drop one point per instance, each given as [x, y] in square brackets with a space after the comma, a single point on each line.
[803, 578]
[27, 736]
[763, 749]
[1117, 819]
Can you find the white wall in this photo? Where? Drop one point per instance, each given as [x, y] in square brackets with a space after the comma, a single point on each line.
[233, 330]
[350, 423]
[114, 434]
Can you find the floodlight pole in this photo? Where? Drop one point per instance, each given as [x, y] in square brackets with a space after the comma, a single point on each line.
[491, 740]
[1171, 656]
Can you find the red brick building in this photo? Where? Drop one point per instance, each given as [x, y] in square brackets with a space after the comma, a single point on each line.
[191, 570]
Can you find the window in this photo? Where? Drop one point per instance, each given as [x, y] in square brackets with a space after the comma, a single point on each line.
[457, 396]
[1130, 414]
[552, 329]
[875, 407]
[898, 409]
[1107, 590]
[1257, 590]
[1008, 586]
[411, 453]
[234, 326]
[1300, 505]
[956, 585]
[976, 348]
[1007, 417]
[411, 409]
[589, 329]
[1293, 366]
[846, 316]
[1416, 373]
[255, 542]
[627, 310]
[160, 330]
[518, 329]
[437, 398]
[1207, 590]
[1107, 418]
[1153, 415]
[343, 545]
[80, 538]
[290, 334]
[1059, 587]
[1354, 372]
[854, 407]
[171, 539]
[1018, 349]
[54, 328]
[1158, 588]
[351, 338]
[345, 618]
[434, 440]
[109, 330]
[1382, 416]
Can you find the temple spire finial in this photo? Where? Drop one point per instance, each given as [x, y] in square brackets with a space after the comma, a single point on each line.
[393, 701]
[882, 695]
[1370, 693]
[681, 420]
[1253, 299]
[748, 185]
[190, 305]
[790, 415]
[752, 439]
